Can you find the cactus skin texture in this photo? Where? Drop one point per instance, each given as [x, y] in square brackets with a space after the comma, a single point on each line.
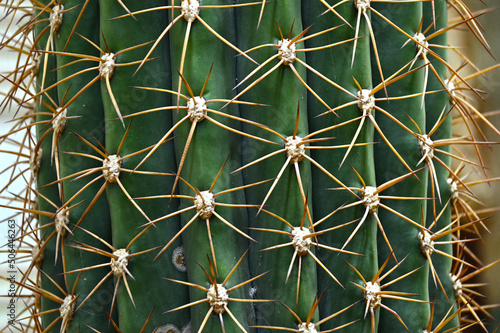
[239, 166]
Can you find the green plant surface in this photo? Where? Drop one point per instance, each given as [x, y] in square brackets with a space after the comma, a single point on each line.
[238, 166]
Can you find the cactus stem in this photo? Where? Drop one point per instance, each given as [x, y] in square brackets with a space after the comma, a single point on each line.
[190, 9]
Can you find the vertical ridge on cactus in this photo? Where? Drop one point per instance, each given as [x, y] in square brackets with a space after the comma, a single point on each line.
[325, 191]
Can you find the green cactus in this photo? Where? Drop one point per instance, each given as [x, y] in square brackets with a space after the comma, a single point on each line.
[227, 166]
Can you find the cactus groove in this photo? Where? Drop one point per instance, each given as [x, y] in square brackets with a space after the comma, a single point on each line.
[239, 166]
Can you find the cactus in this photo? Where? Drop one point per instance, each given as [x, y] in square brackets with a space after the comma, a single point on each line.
[239, 166]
